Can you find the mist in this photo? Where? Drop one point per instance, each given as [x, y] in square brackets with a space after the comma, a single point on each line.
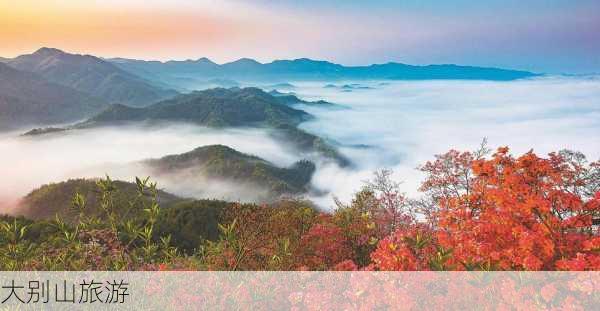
[29, 162]
[397, 125]
[406, 123]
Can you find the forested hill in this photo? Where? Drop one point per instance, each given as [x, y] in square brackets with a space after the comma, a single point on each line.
[217, 107]
[218, 162]
[56, 199]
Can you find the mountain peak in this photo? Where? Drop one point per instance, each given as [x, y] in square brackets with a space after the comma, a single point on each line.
[246, 61]
[308, 60]
[215, 149]
[48, 51]
[205, 61]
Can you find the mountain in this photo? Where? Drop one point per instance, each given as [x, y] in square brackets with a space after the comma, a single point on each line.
[348, 87]
[218, 107]
[51, 199]
[305, 142]
[221, 163]
[396, 71]
[28, 99]
[234, 107]
[91, 75]
[44, 131]
[178, 75]
[151, 67]
[244, 68]
[281, 86]
[306, 69]
[292, 99]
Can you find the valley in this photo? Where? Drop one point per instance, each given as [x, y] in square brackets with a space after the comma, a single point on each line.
[291, 165]
[314, 123]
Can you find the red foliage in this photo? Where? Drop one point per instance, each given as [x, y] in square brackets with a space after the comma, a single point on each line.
[503, 213]
[346, 265]
[409, 249]
[323, 246]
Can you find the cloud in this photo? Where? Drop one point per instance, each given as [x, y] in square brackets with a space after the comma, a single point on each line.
[29, 162]
[408, 122]
[398, 125]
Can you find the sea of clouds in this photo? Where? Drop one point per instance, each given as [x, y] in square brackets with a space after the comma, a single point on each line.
[410, 121]
[29, 162]
[395, 125]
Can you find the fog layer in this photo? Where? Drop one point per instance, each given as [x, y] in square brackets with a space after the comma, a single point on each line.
[29, 162]
[409, 122]
[396, 125]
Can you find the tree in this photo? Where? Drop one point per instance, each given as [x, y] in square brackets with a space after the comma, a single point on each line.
[323, 247]
[259, 237]
[506, 213]
[412, 248]
[449, 176]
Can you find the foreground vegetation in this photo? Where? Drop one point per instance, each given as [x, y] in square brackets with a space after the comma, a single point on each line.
[478, 212]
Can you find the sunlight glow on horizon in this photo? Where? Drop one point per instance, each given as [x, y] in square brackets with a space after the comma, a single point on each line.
[113, 31]
[555, 37]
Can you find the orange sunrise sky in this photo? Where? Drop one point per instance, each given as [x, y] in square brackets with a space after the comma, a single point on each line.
[542, 36]
[145, 29]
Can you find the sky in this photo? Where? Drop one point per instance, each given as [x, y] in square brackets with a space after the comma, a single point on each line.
[550, 36]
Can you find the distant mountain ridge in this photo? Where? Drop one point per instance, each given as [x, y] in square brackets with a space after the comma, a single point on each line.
[29, 99]
[307, 69]
[91, 75]
[140, 83]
